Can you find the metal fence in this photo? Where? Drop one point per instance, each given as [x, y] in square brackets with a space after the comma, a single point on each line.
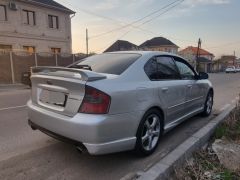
[14, 64]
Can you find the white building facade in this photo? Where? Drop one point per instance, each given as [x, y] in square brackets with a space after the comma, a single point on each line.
[35, 26]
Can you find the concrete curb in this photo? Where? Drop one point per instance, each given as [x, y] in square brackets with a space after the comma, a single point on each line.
[174, 159]
[6, 87]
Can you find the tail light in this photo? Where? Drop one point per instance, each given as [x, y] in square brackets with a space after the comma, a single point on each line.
[95, 101]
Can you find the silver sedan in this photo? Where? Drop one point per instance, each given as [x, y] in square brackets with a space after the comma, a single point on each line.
[117, 101]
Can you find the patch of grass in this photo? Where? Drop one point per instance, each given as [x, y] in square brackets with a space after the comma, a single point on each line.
[230, 128]
[205, 163]
[220, 132]
[228, 175]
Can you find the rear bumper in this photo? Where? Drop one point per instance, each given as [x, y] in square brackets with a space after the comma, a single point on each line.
[100, 134]
[54, 135]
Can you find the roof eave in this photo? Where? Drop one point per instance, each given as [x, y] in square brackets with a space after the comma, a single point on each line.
[173, 45]
[48, 6]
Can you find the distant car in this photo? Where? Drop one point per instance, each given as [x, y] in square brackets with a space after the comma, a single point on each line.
[238, 69]
[231, 69]
[117, 101]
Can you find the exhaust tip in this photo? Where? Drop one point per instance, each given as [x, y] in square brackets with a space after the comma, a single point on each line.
[81, 149]
[33, 128]
[31, 125]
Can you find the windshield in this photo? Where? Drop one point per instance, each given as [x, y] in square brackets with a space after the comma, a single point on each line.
[109, 63]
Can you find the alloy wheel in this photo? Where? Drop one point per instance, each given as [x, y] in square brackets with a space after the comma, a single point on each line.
[209, 104]
[151, 132]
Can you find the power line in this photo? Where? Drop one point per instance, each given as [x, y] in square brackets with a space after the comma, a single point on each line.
[107, 18]
[129, 24]
[136, 21]
[138, 26]
[161, 13]
[169, 6]
[227, 44]
[105, 47]
[151, 19]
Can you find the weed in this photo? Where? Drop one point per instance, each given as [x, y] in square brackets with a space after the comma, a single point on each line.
[205, 163]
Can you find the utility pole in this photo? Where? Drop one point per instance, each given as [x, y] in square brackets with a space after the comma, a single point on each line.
[197, 55]
[234, 60]
[87, 42]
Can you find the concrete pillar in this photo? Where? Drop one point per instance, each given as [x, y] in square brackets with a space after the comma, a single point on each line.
[56, 59]
[35, 59]
[73, 58]
[12, 68]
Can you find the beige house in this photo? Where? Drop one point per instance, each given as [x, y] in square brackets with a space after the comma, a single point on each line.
[159, 44]
[35, 26]
[225, 61]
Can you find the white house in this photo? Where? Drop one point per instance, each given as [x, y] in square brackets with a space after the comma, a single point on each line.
[35, 26]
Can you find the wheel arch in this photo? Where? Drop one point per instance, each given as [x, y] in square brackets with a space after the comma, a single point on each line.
[160, 110]
[211, 91]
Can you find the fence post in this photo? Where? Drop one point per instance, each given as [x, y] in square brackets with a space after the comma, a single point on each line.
[56, 59]
[73, 57]
[35, 58]
[12, 68]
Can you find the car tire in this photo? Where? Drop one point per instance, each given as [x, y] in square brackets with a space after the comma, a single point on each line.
[149, 132]
[208, 105]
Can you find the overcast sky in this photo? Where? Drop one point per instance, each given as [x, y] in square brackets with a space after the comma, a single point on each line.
[216, 22]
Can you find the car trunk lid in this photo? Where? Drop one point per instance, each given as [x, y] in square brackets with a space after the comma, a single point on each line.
[60, 90]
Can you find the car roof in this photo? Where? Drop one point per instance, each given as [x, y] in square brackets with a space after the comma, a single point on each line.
[143, 53]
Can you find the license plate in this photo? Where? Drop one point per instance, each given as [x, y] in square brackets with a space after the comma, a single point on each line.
[53, 98]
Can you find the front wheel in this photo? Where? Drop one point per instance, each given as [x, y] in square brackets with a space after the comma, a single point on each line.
[149, 132]
[208, 105]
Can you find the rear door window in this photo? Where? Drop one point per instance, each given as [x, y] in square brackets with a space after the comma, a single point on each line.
[161, 68]
[110, 63]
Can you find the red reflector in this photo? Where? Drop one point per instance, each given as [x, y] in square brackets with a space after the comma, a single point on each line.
[95, 101]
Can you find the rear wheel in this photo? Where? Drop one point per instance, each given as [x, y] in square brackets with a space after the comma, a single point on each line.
[149, 132]
[208, 104]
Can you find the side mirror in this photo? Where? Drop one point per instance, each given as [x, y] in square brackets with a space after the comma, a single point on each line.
[202, 75]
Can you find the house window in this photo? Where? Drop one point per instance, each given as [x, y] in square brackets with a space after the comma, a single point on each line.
[5, 47]
[3, 13]
[29, 49]
[56, 50]
[53, 22]
[29, 17]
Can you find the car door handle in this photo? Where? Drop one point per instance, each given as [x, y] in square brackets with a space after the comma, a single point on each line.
[164, 89]
[189, 86]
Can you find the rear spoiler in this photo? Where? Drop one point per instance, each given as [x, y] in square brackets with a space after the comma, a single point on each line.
[84, 75]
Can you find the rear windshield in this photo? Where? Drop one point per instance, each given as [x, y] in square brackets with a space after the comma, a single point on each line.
[110, 63]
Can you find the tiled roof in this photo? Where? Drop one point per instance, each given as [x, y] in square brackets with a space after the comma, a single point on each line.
[194, 50]
[121, 45]
[158, 41]
[51, 3]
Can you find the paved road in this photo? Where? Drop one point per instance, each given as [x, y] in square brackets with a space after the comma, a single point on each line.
[27, 154]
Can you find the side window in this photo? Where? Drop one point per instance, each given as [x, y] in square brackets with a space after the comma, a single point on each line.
[53, 22]
[161, 68]
[185, 71]
[3, 13]
[29, 17]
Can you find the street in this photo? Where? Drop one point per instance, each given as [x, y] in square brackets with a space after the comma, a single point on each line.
[27, 154]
